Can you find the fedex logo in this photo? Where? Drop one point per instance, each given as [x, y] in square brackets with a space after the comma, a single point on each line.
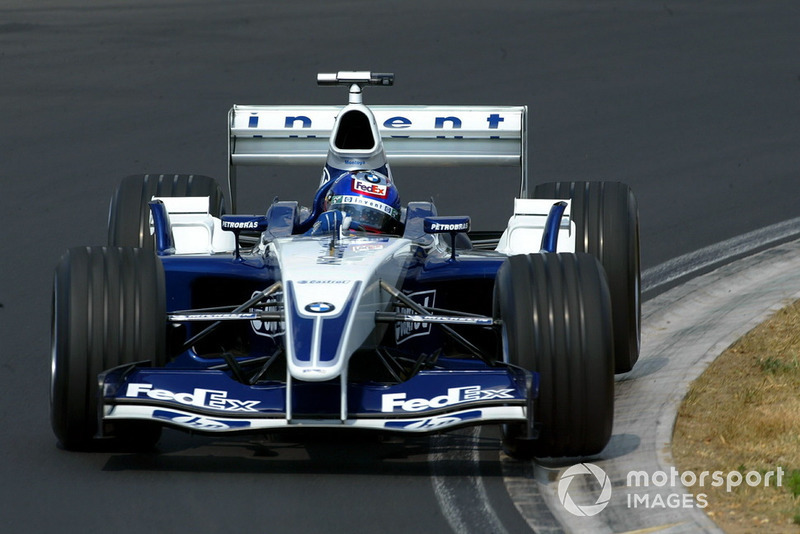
[202, 398]
[375, 190]
[392, 401]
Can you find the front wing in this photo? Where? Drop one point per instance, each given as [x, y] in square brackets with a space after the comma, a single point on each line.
[211, 401]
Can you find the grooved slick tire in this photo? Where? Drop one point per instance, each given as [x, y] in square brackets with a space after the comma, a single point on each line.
[109, 309]
[606, 217]
[556, 320]
[129, 211]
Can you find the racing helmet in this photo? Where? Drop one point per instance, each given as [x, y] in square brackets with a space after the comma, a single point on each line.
[369, 198]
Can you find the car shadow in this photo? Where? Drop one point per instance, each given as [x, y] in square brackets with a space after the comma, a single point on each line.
[317, 451]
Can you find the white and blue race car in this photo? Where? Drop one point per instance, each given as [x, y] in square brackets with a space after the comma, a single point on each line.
[356, 312]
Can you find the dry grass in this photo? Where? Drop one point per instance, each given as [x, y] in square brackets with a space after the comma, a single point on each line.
[743, 414]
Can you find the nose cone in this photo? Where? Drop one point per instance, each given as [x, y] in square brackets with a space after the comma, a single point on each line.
[320, 315]
[331, 297]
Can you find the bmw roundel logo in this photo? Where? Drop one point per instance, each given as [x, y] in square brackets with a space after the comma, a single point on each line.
[372, 178]
[320, 307]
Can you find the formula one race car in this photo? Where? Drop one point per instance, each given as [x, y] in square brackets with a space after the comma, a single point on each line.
[357, 311]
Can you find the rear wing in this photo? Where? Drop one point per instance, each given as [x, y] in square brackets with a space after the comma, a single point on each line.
[412, 135]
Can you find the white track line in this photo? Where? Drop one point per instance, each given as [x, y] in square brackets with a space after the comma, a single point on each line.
[462, 497]
[718, 254]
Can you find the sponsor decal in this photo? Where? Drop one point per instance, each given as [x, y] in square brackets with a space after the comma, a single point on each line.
[398, 122]
[239, 225]
[391, 402]
[270, 329]
[304, 121]
[199, 422]
[201, 398]
[367, 248]
[362, 201]
[403, 331]
[372, 189]
[334, 282]
[432, 423]
[492, 122]
[355, 162]
[440, 227]
[320, 307]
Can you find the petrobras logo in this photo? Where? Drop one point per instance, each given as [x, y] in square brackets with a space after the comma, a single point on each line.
[392, 402]
[459, 227]
[375, 190]
[438, 225]
[239, 225]
[201, 398]
[403, 331]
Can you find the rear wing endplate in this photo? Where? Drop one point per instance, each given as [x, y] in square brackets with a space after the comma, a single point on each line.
[412, 135]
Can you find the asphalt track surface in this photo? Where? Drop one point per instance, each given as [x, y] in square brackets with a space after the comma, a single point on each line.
[696, 105]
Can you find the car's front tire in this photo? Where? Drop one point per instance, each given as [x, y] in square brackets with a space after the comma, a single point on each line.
[556, 320]
[108, 310]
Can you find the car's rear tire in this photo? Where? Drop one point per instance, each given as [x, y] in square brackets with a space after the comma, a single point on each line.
[129, 211]
[606, 217]
[556, 321]
[109, 309]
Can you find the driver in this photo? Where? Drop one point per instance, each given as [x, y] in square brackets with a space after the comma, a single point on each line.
[369, 198]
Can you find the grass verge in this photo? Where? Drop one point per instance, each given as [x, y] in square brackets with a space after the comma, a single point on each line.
[743, 414]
